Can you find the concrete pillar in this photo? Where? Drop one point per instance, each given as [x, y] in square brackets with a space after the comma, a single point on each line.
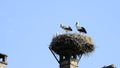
[69, 63]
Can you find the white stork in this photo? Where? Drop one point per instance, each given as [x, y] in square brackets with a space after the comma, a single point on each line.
[57, 34]
[66, 28]
[80, 29]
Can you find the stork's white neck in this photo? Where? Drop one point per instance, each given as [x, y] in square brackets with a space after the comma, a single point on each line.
[77, 26]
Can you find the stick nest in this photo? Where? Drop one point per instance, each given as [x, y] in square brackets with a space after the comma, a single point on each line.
[72, 44]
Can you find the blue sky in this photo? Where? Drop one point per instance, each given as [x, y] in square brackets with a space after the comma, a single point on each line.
[27, 28]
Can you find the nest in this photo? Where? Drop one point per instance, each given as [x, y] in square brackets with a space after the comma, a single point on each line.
[72, 44]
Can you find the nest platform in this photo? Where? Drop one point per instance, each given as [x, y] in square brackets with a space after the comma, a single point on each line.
[72, 44]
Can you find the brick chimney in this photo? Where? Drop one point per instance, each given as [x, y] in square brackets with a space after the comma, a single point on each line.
[3, 60]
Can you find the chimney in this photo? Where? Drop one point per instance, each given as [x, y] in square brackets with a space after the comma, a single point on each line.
[3, 60]
[69, 63]
[69, 48]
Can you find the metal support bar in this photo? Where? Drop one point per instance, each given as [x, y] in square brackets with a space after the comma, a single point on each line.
[54, 54]
[80, 57]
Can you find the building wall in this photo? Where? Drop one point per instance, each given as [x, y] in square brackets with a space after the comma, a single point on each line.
[3, 65]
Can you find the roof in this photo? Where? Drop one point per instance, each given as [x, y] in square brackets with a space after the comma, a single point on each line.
[3, 55]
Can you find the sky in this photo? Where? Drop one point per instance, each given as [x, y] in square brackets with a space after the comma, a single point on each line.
[28, 26]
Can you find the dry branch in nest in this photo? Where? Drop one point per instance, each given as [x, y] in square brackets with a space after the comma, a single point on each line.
[72, 44]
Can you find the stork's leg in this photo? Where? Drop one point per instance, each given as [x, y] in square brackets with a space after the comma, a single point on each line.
[66, 32]
[83, 34]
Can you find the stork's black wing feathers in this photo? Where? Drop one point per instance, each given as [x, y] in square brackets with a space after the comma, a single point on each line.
[84, 30]
[69, 29]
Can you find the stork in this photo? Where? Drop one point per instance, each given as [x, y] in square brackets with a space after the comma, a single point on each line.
[66, 28]
[80, 29]
[57, 34]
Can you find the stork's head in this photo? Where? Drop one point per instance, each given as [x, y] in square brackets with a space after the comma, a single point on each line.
[60, 25]
[76, 24]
